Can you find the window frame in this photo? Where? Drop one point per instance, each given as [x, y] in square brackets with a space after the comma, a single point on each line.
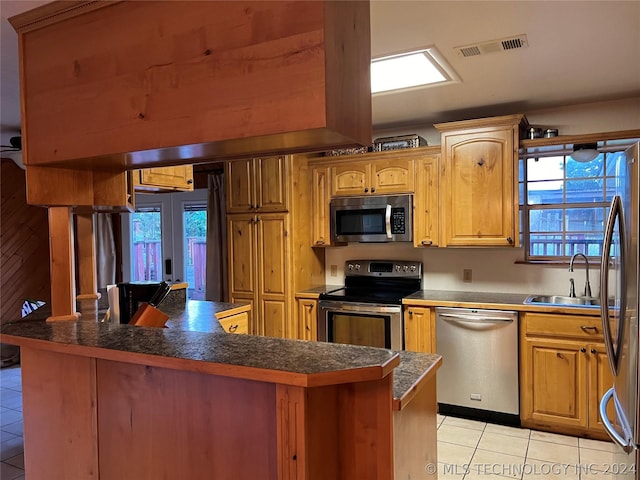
[545, 148]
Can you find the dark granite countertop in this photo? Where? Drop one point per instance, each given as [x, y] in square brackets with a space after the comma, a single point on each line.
[491, 300]
[194, 333]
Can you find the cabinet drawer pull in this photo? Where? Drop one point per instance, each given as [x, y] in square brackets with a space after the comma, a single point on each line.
[589, 328]
[233, 328]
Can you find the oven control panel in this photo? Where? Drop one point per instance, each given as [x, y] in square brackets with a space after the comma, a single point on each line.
[383, 268]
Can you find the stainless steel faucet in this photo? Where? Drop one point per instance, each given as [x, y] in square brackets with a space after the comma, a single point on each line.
[587, 285]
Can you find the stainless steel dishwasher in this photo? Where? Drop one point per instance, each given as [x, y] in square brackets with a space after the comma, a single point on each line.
[479, 373]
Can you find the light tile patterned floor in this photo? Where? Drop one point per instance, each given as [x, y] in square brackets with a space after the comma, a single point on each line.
[467, 450]
[471, 450]
[11, 443]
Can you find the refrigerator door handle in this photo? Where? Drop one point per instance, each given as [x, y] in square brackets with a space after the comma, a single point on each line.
[613, 354]
[615, 436]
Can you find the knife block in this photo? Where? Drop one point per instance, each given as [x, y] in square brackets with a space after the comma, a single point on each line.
[148, 316]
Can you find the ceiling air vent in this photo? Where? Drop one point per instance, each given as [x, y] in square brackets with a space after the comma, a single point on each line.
[510, 43]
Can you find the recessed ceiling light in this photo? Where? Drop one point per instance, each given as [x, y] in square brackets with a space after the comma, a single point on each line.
[410, 70]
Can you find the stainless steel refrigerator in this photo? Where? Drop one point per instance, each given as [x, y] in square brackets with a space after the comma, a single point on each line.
[619, 294]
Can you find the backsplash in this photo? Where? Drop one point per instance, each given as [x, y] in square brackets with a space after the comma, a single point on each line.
[493, 269]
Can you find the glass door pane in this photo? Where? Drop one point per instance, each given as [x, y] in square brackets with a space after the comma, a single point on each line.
[194, 241]
[166, 239]
[146, 245]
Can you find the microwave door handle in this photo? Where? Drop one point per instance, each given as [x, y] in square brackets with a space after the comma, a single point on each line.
[387, 220]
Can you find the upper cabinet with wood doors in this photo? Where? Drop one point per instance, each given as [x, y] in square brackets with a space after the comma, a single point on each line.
[426, 201]
[164, 179]
[377, 176]
[257, 185]
[479, 181]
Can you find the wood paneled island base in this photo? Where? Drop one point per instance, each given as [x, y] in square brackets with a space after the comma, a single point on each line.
[119, 402]
[90, 418]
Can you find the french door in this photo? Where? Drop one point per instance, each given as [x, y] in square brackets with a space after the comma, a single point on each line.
[165, 239]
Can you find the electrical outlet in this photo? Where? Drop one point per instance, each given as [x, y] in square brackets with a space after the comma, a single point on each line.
[334, 270]
[467, 275]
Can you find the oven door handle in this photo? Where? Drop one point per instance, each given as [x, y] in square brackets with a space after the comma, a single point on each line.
[359, 307]
[387, 221]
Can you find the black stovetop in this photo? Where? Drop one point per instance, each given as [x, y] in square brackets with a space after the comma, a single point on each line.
[363, 289]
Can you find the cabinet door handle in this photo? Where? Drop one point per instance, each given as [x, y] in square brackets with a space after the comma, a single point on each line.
[594, 351]
[319, 242]
[366, 190]
[426, 242]
[410, 312]
[583, 349]
[233, 328]
[589, 328]
[510, 240]
[373, 189]
[190, 181]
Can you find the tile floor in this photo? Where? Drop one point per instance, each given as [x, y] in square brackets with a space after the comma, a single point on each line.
[470, 450]
[467, 450]
[11, 443]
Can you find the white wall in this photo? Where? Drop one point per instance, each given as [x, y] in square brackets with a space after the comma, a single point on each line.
[495, 269]
[571, 120]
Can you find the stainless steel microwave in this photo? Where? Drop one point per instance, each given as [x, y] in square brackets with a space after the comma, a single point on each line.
[374, 218]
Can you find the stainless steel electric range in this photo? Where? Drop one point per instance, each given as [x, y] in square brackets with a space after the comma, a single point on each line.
[368, 309]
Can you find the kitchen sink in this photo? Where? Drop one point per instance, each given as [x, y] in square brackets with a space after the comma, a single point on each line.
[562, 300]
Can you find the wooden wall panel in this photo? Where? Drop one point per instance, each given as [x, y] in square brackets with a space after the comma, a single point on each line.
[24, 245]
[59, 416]
[158, 423]
[168, 82]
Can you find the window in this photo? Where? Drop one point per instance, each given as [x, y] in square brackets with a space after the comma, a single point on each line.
[564, 203]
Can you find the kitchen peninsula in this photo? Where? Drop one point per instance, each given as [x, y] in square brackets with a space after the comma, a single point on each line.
[111, 401]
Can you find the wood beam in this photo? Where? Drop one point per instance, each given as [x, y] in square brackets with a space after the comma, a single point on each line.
[87, 275]
[63, 288]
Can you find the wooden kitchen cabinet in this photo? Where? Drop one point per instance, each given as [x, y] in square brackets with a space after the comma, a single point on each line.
[307, 319]
[479, 181]
[238, 323]
[257, 185]
[379, 176]
[164, 179]
[258, 269]
[419, 328]
[321, 203]
[425, 202]
[269, 252]
[563, 373]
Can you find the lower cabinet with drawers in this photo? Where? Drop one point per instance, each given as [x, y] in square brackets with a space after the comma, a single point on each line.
[238, 323]
[563, 373]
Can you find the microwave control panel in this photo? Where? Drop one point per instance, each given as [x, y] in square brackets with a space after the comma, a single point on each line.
[398, 220]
